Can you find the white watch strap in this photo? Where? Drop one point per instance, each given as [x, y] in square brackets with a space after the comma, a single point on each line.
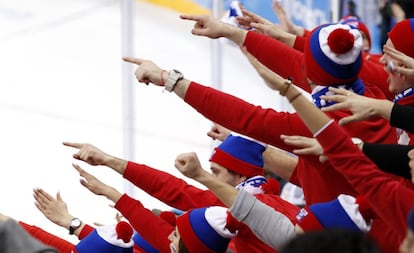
[173, 77]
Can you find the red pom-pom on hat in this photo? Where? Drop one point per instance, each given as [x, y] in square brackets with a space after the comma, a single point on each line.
[365, 208]
[340, 41]
[271, 187]
[124, 231]
[232, 224]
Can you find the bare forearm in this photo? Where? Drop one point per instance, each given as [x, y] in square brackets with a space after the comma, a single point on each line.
[117, 164]
[112, 194]
[180, 89]
[279, 162]
[312, 116]
[288, 39]
[234, 34]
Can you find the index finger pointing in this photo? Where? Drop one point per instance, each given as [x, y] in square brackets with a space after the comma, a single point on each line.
[190, 17]
[73, 144]
[133, 60]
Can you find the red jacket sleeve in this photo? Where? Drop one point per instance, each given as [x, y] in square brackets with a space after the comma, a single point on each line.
[86, 230]
[299, 43]
[151, 227]
[390, 199]
[169, 189]
[262, 124]
[47, 238]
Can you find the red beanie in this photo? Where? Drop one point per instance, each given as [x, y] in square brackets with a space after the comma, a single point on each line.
[402, 36]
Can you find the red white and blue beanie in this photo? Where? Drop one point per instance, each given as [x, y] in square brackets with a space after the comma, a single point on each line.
[241, 155]
[108, 239]
[203, 230]
[345, 212]
[402, 36]
[357, 23]
[333, 54]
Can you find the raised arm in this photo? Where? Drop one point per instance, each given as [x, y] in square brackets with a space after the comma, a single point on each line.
[94, 156]
[262, 46]
[285, 21]
[150, 227]
[96, 186]
[189, 165]
[208, 26]
[225, 109]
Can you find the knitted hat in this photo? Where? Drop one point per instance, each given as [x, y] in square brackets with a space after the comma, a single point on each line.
[203, 229]
[143, 245]
[109, 238]
[333, 54]
[357, 23]
[241, 155]
[402, 36]
[344, 212]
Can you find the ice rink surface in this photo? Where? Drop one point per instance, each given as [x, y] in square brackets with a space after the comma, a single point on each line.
[61, 80]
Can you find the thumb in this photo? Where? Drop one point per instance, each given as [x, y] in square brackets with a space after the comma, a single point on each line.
[346, 120]
[323, 158]
[58, 197]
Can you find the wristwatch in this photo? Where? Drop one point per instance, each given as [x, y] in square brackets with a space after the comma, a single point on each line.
[173, 77]
[75, 223]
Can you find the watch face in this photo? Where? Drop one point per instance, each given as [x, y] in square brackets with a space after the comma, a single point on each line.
[75, 223]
